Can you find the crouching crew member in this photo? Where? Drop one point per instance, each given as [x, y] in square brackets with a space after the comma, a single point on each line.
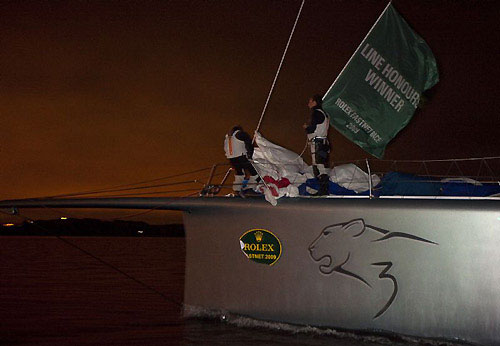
[239, 149]
[317, 134]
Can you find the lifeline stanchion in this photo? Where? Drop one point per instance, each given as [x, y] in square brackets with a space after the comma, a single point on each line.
[369, 177]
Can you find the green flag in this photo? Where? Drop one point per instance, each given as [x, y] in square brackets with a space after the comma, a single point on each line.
[376, 94]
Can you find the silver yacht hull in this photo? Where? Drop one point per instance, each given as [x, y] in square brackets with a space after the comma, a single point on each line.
[419, 267]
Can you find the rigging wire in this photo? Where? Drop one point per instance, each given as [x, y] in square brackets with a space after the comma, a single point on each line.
[133, 188]
[112, 189]
[443, 160]
[152, 186]
[123, 185]
[305, 147]
[279, 69]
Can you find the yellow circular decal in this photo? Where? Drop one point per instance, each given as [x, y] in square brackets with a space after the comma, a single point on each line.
[261, 246]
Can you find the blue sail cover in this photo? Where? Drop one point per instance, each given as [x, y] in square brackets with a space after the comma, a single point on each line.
[405, 184]
[333, 189]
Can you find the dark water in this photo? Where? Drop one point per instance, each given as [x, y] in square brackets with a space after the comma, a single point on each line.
[116, 291]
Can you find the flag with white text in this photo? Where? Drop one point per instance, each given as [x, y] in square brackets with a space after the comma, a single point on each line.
[377, 93]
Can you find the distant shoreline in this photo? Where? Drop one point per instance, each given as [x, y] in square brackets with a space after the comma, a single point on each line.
[92, 228]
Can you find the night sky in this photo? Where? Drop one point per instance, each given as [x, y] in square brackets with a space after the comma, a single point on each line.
[102, 93]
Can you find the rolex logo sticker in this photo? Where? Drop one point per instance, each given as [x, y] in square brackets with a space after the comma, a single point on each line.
[261, 246]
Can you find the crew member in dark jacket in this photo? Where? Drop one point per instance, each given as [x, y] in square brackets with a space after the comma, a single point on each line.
[317, 134]
[239, 150]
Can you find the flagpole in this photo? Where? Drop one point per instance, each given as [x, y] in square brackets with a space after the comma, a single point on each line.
[356, 51]
[277, 72]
